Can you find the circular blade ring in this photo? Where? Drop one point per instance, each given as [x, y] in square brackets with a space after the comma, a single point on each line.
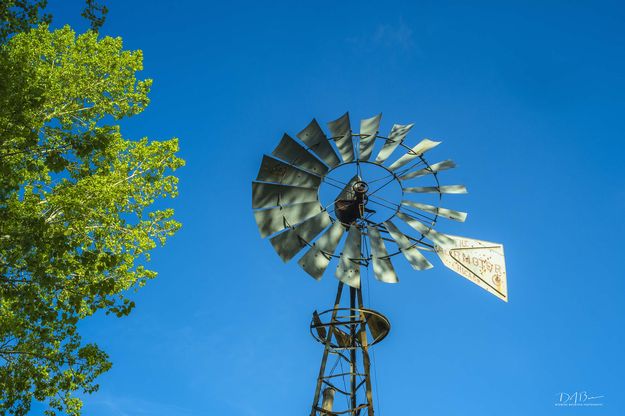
[295, 170]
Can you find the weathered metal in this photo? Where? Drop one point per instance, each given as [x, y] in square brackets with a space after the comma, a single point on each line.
[481, 262]
[349, 206]
[368, 131]
[288, 208]
[328, 400]
[341, 132]
[347, 333]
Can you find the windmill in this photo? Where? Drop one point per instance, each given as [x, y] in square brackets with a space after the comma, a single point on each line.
[329, 197]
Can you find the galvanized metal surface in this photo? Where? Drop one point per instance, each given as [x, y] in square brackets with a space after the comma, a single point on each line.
[272, 220]
[382, 266]
[265, 195]
[435, 168]
[274, 170]
[397, 136]
[317, 258]
[348, 270]
[341, 130]
[442, 240]
[445, 189]
[317, 141]
[294, 153]
[423, 146]
[290, 242]
[368, 130]
[414, 257]
[481, 262]
[443, 212]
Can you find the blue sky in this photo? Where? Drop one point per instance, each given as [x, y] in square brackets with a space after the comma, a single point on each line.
[527, 97]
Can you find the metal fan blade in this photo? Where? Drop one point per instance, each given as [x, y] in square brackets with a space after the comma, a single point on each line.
[317, 258]
[481, 262]
[438, 238]
[294, 153]
[447, 189]
[317, 141]
[275, 219]
[443, 212]
[341, 131]
[436, 167]
[368, 130]
[265, 195]
[348, 270]
[397, 136]
[423, 146]
[274, 170]
[408, 249]
[382, 266]
[288, 243]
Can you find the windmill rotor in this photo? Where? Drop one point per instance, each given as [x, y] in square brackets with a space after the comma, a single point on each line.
[359, 224]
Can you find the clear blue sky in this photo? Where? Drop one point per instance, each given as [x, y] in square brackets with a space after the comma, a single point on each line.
[529, 99]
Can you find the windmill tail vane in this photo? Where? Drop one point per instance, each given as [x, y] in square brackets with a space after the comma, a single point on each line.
[342, 197]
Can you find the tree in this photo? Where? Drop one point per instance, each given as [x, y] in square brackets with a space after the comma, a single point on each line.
[77, 215]
[17, 16]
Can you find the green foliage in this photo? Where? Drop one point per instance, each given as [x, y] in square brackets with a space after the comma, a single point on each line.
[77, 216]
[17, 16]
[95, 13]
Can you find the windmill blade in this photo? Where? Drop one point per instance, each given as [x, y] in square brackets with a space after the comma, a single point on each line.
[423, 146]
[265, 195]
[414, 257]
[443, 212]
[288, 243]
[481, 262]
[368, 130]
[274, 170]
[275, 219]
[397, 136]
[348, 270]
[317, 141]
[382, 266]
[317, 258]
[295, 154]
[436, 167]
[446, 189]
[438, 238]
[341, 131]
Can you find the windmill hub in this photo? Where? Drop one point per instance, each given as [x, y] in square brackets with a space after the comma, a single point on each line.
[351, 207]
[347, 196]
[360, 187]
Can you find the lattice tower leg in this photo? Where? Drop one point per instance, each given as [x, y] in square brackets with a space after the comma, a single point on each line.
[346, 338]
